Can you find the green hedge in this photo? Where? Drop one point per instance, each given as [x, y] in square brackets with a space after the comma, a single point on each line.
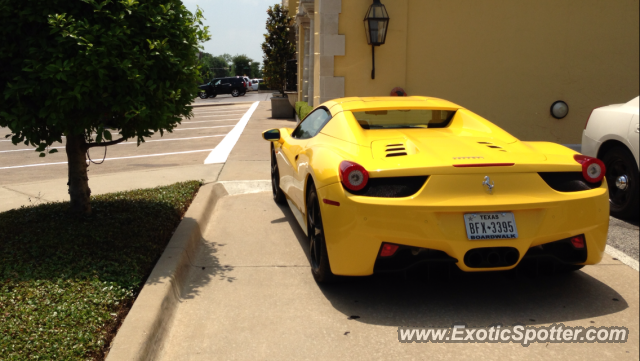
[303, 109]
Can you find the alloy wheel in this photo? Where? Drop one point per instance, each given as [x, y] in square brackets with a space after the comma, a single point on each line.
[316, 233]
[619, 196]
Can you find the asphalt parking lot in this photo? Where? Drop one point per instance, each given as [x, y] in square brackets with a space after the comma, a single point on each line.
[189, 144]
[252, 96]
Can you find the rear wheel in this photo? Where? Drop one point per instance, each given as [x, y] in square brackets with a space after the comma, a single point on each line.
[278, 194]
[622, 178]
[235, 93]
[317, 246]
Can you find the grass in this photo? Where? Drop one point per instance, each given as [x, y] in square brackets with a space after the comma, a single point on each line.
[66, 282]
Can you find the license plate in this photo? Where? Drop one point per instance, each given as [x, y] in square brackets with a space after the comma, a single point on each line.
[498, 225]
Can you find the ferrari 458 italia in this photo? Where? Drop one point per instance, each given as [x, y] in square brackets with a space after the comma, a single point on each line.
[385, 184]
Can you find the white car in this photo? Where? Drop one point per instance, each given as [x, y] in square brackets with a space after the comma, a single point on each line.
[255, 84]
[248, 82]
[611, 134]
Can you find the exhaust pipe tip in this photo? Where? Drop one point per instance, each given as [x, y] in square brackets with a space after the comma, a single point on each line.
[493, 258]
[511, 257]
[473, 259]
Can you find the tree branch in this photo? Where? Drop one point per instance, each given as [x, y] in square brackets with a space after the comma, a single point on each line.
[105, 144]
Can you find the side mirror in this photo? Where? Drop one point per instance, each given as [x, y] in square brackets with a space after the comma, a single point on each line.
[272, 135]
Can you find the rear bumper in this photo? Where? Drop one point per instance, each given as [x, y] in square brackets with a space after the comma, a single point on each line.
[590, 146]
[356, 229]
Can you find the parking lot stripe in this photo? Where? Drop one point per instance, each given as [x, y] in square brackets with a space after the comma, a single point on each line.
[224, 111]
[217, 126]
[106, 159]
[212, 120]
[219, 115]
[223, 149]
[147, 141]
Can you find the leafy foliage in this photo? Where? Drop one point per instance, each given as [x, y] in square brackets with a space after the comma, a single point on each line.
[242, 65]
[277, 48]
[256, 72]
[66, 283]
[303, 109]
[68, 66]
[213, 67]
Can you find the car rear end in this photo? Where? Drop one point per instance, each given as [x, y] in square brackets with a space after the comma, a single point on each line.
[483, 204]
[455, 215]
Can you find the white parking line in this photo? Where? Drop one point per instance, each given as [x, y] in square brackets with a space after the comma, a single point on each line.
[223, 149]
[212, 120]
[146, 141]
[218, 126]
[622, 257]
[131, 157]
[219, 115]
[220, 112]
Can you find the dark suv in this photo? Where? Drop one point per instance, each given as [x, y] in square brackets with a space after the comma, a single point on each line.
[234, 86]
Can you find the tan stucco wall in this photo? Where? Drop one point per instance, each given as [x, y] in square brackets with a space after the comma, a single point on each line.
[505, 60]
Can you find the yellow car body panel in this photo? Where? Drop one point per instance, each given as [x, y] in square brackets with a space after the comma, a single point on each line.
[433, 218]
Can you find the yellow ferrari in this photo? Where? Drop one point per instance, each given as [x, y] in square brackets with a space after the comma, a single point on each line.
[385, 184]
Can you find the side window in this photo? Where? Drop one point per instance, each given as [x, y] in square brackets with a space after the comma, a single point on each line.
[218, 82]
[312, 124]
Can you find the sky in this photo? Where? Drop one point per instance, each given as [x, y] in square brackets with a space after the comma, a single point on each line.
[236, 26]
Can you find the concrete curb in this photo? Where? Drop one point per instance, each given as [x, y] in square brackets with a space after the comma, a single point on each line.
[141, 335]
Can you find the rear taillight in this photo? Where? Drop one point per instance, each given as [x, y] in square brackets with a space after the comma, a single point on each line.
[388, 250]
[353, 176]
[593, 170]
[578, 241]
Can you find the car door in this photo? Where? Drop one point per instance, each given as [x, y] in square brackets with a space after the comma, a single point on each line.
[633, 135]
[225, 86]
[294, 149]
[215, 86]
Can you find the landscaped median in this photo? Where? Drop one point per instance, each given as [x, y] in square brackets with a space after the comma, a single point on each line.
[66, 283]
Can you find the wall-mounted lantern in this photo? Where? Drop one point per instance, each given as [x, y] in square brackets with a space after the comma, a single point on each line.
[376, 24]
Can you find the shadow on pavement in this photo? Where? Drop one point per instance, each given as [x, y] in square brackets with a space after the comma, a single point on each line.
[205, 268]
[441, 297]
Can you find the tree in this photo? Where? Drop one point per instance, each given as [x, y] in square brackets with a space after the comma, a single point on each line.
[277, 48]
[206, 65]
[242, 65]
[255, 69]
[220, 67]
[227, 58]
[70, 66]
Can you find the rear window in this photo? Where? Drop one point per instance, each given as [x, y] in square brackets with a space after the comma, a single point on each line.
[409, 118]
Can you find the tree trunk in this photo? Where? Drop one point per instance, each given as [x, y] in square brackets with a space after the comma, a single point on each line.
[79, 191]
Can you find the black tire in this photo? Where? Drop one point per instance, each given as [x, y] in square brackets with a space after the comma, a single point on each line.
[203, 95]
[235, 93]
[213, 95]
[620, 163]
[243, 94]
[278, 194]
[320, 268]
